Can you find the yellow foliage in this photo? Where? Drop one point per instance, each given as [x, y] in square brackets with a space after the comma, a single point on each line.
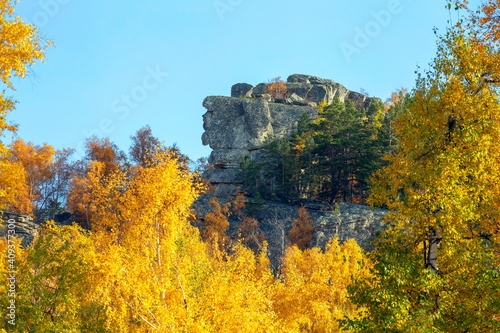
[14, 189]
[21, 46]
[313, 294]
[144, 268]
[443, 185]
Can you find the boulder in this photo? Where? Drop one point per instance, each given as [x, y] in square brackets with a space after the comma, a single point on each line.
[241, 90]
[227, 158]
[349, 220]
[297, 100]
[260, 89]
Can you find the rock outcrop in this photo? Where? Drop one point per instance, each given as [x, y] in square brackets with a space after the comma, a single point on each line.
[239, 125]
[26, 227]
[23, 225]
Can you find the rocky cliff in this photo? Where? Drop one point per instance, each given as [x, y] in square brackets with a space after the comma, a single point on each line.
[239, 125]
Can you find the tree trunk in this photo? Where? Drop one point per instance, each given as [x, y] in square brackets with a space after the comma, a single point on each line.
[432, 251]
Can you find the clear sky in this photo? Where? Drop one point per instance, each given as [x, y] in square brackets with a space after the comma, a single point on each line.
[118, 65]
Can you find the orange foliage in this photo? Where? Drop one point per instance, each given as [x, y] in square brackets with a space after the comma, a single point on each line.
[302, 230]
[277, 89]
[490, 22]
[36, 160]
[216, 223]
[14, 189]
[23, 170]
[103, 150]
[6, 105]
[104, 161]
[238, 204]
[144, 147]
[396, 97]
[21, 46]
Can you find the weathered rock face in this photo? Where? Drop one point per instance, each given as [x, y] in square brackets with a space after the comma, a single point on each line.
[239, 125]
[360, 222]
[22, 224]
[344, 220]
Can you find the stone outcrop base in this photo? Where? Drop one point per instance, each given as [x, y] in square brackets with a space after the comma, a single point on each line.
[23, 226]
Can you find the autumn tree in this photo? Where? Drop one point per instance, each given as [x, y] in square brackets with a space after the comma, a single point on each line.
[14, 189]
[54, 190]
[21, 47]
[302, 230]
[487, 19]
[313, 294]
[101, 155]
[141, 223]
[104, 151]
[187, 289]
[37, 161]
[277, 88]
[250, 234]
[144, 146]
[42, 177]
[54, 283]
[216, 223]
[438, 263]
[6, 105]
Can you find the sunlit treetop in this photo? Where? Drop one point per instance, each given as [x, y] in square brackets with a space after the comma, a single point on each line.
[21, 44]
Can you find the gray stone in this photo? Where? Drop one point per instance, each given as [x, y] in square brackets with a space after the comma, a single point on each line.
[285, 118]
[297, 100]
[359, 99]
[222, 176]
[23, 225]
[260, 89]
[227, 158]
[316, 89]
[241, 90]
[300, 89]
[356, 221]
[257, 120]
[298, 78]
[344, 221]
[302, 78]
[237, 126]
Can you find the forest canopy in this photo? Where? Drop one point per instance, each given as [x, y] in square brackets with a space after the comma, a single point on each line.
[136, 260]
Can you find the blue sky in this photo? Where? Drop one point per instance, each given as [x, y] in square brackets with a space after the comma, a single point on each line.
[119, 65]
